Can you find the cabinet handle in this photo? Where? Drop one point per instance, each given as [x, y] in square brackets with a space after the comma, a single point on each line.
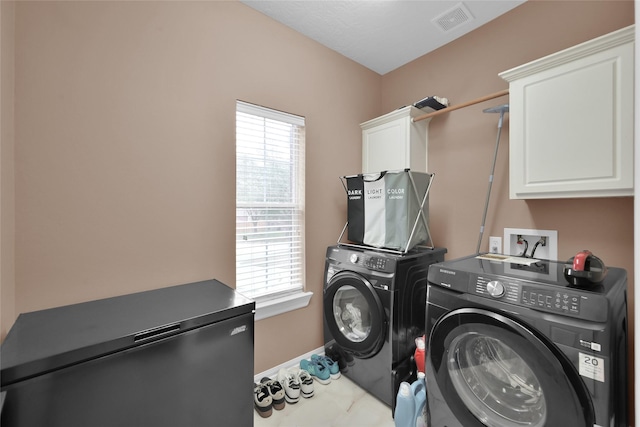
[156, 332]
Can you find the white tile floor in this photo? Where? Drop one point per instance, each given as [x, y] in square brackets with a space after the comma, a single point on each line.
[338, 404]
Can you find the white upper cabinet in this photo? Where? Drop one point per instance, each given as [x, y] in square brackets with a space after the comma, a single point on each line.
[571, 121]
[395, 142]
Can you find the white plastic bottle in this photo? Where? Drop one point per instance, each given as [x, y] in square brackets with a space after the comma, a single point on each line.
[405, 406]
[419, 392]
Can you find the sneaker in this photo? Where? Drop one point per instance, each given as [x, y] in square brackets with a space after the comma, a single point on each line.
[316, 370]
[327, 362]
[306, 383]
[262, 400]
[276, 391]
[291, 385]
[341, 357]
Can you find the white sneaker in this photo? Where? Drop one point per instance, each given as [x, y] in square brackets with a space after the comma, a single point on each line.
[291, 385]
[306, 383]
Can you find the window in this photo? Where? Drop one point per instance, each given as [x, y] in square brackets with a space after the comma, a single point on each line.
[269, 203]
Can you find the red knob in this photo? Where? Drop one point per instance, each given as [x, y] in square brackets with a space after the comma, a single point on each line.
[580, 260]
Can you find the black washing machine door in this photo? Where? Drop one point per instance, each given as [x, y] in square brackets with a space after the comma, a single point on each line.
[495, 372]
[354, 314]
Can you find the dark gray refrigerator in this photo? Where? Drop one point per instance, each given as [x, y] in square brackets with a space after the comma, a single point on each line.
[180, 356]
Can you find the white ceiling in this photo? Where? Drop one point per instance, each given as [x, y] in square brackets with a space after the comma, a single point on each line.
[383, 35]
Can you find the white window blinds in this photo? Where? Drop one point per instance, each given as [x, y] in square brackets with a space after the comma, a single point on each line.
[269, 201]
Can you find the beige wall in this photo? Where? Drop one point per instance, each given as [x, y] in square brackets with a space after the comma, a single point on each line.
[7, 194]
[124, 155]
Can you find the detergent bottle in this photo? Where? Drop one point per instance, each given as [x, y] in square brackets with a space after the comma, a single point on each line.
[419, 354]
[411, 404]
[419, 392]
[405, 406]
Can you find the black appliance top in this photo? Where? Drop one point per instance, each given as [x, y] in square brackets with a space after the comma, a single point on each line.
[539, 285]
[45, 340]
[378, 260]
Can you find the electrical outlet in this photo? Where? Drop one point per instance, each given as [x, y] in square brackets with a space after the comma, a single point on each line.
[540, 244]
[495, 244]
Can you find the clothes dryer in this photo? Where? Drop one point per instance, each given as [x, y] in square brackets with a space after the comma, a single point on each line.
[514, 344]
[374, 307]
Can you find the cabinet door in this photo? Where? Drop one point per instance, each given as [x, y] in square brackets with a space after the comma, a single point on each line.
[395, 142]
[385, 147]
[571, 126]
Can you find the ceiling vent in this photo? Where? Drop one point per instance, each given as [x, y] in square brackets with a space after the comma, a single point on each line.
[453, 18]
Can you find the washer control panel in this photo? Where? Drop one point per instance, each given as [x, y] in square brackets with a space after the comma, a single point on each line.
[540, 286]
[497, 288]
[373, 263]
[376, 263]
[556, 300]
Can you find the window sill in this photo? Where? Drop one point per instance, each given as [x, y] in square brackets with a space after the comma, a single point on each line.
[272, 307]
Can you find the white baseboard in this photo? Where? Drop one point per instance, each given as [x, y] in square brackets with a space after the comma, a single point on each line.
[273, 372]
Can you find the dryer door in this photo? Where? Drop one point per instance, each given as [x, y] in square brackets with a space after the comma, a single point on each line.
[495, 372]
[354, 314]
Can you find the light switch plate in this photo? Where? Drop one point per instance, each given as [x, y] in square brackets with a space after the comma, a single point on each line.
[495, 244]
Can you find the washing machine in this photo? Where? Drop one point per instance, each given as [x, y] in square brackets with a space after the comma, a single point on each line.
[374, 307]
[513, 343]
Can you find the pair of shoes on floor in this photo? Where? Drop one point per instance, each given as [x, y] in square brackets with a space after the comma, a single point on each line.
[322, 368]
[291, 385]
[306, 383]
[341, 357]
[327, 362]
[262, 400]
[296, 383]
[267, 395]
[316, 370]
